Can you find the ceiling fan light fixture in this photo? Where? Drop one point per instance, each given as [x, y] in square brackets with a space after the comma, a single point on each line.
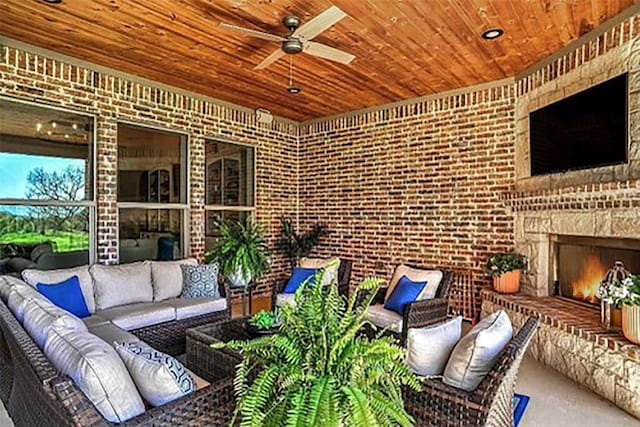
[52, 1]
[492, 34]
[294, 90]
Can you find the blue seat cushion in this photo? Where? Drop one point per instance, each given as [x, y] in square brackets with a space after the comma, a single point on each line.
[298, 277]
[67, 295]
[404, 293]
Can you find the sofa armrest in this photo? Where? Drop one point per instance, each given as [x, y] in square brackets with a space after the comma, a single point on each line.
[423, 313]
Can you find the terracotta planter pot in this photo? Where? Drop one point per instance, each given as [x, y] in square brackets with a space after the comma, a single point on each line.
[631, 323]
[508, 283]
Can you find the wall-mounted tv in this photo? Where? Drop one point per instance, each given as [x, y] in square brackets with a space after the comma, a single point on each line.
[586, 130]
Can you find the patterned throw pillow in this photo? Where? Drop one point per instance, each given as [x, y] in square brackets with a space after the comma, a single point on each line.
[160, 378]
[200, 281]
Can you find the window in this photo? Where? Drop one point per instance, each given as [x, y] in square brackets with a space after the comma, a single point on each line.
[46, 187]
[152, 194]
[230, 184]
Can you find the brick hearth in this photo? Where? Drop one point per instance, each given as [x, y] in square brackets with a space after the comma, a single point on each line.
[572, 341]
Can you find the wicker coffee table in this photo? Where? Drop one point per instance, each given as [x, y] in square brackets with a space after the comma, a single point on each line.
[215, 363]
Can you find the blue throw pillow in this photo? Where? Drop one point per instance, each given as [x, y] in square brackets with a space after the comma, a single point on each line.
[298, 277]
[404, 293]
[67, 295]
[200, 281]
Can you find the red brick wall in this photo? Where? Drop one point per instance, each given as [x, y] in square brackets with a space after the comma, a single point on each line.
[420, 183]
[111, 99]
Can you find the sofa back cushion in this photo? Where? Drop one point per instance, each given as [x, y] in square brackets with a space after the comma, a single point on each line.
[432, 277]
[166, 278]
[6, 284]
[122, 284]
[18, 297]
[33, 277]
[331, 266]
[40, 316]
[97, 370]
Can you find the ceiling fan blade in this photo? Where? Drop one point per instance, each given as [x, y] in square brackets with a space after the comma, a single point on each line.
[328, 52]
[270, 59]
[252, 33]
[325, 20]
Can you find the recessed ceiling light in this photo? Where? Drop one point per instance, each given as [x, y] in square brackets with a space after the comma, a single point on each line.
[492, 34]
[293, 89]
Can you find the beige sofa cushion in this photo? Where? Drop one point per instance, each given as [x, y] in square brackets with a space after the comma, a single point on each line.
[432, 277]
[41, 315]
[139, 315]
[19, 294]
[191, 307]
[95, 320]
[97, 370]
[474, 356]
[111, 334]
[166, 278]
[6, 284]
[429, 348]
[330, 274]
[383, 318]
[51, 277]
[117, 285]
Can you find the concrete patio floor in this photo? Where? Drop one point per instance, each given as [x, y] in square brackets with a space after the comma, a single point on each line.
[555, 401]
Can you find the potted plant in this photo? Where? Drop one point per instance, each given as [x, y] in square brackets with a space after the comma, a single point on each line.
[264, 323]
[241, 252]
[319, 369]
[296, 246]
[506, 270]
[629, 299]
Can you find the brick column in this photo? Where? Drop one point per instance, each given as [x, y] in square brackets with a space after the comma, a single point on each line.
[197, 184]
[107, 189]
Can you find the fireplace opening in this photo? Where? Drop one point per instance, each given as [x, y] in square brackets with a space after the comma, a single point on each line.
[581, 264]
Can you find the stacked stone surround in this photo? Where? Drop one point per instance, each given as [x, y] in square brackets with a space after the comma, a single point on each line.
[43, 80]
[572, 341]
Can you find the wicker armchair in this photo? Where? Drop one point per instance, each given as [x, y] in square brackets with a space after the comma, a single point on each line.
[344, 277]
[490, 404]
[421, 313]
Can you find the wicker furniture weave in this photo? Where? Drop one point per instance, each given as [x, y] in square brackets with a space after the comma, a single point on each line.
[40, 396]
[344, 277]
[490, 404]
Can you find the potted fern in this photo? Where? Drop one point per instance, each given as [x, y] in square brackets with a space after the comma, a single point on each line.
[296, 245]
[319, 369]
[241, 252]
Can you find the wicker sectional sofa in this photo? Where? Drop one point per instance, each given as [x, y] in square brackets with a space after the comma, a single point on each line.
[36, 393]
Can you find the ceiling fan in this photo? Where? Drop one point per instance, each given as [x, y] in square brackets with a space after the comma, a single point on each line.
[299, 38]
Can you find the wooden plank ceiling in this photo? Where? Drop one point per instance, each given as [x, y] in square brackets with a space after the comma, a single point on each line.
[403, 48]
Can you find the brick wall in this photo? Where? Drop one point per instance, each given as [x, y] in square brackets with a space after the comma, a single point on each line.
[111, 99]
[419, 183]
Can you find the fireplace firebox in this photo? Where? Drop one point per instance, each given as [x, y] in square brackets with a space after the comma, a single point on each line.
[582, 262]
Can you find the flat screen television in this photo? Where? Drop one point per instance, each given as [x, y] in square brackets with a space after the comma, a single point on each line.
[586, 130]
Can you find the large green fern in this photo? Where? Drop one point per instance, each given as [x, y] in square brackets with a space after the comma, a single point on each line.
[321, 370]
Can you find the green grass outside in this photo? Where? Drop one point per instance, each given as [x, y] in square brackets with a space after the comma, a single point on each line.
[65, 241]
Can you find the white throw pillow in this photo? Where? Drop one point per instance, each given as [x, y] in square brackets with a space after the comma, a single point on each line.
[166, 278]
[432, 277]
[49, 277]
[429, 348]
[122, 284]
[159, 377]
[40, 316]
[476, 353]
[97, 370]
[330, 274]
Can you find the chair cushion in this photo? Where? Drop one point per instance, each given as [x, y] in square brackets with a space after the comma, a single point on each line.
[18, 297]
[159, 377]
[122, 284]
[473, 357]
[383, 318]
[200, 281]
[67, 295]
[282, 299]
[111, 334]
[40, 315]
[298, 277]
[6, 284]
[94, 320]
[432, 277]
[97, 370]
[331, 274]
[191, 307]
[166, 278]
[405, 292]
[139, 315]
[429, 348]
[33, 277]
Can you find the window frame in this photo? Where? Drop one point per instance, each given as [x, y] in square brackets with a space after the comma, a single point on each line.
[89, 204]
[184, 208]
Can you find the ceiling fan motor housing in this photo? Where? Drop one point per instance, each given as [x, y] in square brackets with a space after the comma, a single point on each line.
[292, 45]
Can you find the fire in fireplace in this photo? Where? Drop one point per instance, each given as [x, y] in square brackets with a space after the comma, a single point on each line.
[582, 263]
